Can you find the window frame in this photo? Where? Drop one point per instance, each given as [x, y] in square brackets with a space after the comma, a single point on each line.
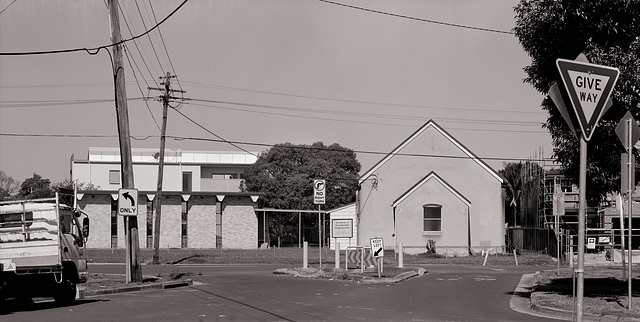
[432, 217]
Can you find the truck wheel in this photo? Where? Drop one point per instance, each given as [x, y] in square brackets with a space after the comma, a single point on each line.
[65, 292]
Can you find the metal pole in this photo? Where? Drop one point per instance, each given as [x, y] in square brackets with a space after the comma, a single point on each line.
[320, 236]
[630, 194]
[582, 214]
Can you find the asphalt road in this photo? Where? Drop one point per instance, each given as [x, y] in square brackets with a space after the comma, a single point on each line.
[253, 293]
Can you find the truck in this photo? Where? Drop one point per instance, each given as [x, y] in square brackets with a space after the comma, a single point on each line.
[42, 249]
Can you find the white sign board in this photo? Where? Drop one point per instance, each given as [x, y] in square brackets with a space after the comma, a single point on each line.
[591, 243]
[127, 202]
[319, 192]
[342, 228]
[377, 247]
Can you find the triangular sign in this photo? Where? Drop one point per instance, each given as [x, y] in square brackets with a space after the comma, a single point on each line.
[589, 87]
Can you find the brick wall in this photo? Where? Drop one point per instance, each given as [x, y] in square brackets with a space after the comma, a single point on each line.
[201, 227]
[239, 227]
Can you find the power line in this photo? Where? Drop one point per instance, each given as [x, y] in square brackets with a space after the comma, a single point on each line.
[418, 19]
[267, 145]
[164, 45]
[95, 50]
[355, 101]
[7, 7]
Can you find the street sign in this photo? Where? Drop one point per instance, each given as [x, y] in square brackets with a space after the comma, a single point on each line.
[377, 247]
[127, 202]
[589, 88]
[319, 192]
[342, 228]
[623, 134]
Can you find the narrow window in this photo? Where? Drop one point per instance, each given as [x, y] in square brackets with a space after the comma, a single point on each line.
[149, 224]
[114, 223]
[432, 214]
[114, 176]
[186, 181]
[185, 214]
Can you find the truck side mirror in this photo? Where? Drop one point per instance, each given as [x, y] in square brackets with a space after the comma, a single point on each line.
[85, 227]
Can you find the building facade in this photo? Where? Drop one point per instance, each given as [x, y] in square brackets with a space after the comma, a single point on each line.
[432, 190]
[201, 206]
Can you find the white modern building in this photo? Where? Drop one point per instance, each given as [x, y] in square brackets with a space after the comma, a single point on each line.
[184, 170]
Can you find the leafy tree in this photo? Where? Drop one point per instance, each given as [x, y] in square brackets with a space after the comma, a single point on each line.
[522, 187]
[65, 188]
[36, 187]
[8, 186]
[285, 174]
[608, 33]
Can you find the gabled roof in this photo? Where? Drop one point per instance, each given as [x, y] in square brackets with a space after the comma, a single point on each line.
[433, 124]
[431, 175]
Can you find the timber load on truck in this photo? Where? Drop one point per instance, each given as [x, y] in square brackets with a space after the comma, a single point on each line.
[42, 249]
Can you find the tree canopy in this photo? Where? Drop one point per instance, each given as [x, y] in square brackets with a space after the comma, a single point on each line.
[36, 187]
[8, 186]
[608, 33]
[285, 173]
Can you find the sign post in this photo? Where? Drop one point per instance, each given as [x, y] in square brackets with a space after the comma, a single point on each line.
[628, 132]
[377, 249]
[319, 197]
[589, 88]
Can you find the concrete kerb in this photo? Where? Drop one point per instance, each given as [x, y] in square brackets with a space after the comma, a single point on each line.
[521, 302]
[351, 275]
[134, 288]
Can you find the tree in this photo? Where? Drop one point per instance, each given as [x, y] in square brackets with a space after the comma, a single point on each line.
[66, 189]
[8, 186]
[522, 186]
[36, 187]
[285, 174]
[608, 33]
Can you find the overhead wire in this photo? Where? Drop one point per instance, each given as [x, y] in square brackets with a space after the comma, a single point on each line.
[93, 50]
[268, 145]
[164, 45]
[7, 7]
[149, 37]
[417, 19]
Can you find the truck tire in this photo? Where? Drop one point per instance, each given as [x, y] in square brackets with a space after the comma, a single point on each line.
[65, 293]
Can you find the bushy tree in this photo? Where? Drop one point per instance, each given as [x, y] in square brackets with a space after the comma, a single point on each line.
[608, 33]
[8, 186]
[36, 187]
[285, 173]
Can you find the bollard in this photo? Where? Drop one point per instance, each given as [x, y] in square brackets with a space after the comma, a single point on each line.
[337, 254]
[400, 256]
[305, 255]
[485, 258]
[515, 256]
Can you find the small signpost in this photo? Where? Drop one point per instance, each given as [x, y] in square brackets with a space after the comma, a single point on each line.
[319, 198]
[377, 250]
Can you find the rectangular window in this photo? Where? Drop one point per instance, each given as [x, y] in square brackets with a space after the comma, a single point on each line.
[185, 214]
[224, 176]
[149, 224]
[114, 223]
[432, 215]
[114, 176]
[186, 181]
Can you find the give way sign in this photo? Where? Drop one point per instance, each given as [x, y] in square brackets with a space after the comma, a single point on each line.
[589, 88]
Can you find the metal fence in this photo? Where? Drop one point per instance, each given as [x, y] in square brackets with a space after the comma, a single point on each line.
[532, 240]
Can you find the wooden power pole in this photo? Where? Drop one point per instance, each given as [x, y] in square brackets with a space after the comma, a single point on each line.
[133, 269]
[166, 97]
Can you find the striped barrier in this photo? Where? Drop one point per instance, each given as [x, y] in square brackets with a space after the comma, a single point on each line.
[355, 256]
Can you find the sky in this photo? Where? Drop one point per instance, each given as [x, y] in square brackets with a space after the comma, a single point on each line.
[259, 73]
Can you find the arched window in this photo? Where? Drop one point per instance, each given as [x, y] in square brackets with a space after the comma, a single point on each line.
[432, 215]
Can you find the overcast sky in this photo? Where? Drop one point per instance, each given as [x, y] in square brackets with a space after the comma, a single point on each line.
[266, 72]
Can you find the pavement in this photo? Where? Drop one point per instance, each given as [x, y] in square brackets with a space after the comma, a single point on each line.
[520, 300]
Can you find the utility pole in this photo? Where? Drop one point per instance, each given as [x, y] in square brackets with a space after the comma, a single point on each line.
[166, 97]
[133, 268]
